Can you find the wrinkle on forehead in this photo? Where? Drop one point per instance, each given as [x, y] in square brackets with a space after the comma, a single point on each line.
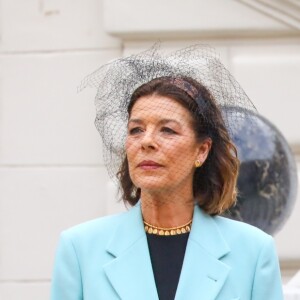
[160, 122]
[162, 109]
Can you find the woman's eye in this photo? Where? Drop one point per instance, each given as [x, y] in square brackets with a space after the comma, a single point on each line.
[168, 130]
[135, 130]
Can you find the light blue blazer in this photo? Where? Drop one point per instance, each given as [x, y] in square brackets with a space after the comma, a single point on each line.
[108, 259]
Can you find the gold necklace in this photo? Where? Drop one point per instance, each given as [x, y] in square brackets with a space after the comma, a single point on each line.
[151, 229]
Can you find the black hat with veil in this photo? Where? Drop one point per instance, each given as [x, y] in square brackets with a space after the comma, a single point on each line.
[117, 80]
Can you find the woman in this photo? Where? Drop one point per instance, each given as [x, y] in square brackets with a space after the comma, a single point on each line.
[179, 172]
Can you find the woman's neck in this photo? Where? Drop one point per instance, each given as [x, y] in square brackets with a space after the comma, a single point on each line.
[167, 210]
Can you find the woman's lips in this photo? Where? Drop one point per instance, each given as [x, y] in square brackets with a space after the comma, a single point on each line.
[149, 165]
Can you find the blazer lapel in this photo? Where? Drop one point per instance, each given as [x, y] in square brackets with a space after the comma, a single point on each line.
[203, 274]
[130, 271]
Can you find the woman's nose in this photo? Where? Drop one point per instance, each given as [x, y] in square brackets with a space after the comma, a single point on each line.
[148, 141]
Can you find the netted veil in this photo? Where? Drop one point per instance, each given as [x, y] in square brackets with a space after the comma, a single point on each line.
[117, 80]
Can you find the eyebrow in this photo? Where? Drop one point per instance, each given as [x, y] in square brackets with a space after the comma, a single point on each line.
[161, 122]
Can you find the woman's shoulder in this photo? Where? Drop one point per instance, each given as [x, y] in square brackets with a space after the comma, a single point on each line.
[237, 231]
[102, 226]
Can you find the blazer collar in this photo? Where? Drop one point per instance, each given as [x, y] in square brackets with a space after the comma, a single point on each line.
[203, 273]
[130, 270]
[206, 233]
[129, 229]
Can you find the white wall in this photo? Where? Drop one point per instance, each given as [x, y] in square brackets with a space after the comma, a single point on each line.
[51, 169]
[51, 172]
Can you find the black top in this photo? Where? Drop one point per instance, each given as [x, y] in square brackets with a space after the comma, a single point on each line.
[167, 254]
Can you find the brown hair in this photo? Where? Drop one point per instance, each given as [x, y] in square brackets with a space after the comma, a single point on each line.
[214, 183]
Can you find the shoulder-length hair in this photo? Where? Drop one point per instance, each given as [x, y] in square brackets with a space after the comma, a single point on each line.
[214, 183]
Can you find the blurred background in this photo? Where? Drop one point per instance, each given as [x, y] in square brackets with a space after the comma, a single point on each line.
[51, 169]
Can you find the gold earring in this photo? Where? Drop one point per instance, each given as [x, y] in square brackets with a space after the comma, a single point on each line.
[198, 163]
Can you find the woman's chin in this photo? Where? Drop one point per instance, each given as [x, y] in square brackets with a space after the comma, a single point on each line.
[152, 187]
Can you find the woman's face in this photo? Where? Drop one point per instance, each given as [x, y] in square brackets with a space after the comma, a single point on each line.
[161, 145]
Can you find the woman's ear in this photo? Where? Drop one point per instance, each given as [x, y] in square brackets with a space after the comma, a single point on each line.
[203, 149]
